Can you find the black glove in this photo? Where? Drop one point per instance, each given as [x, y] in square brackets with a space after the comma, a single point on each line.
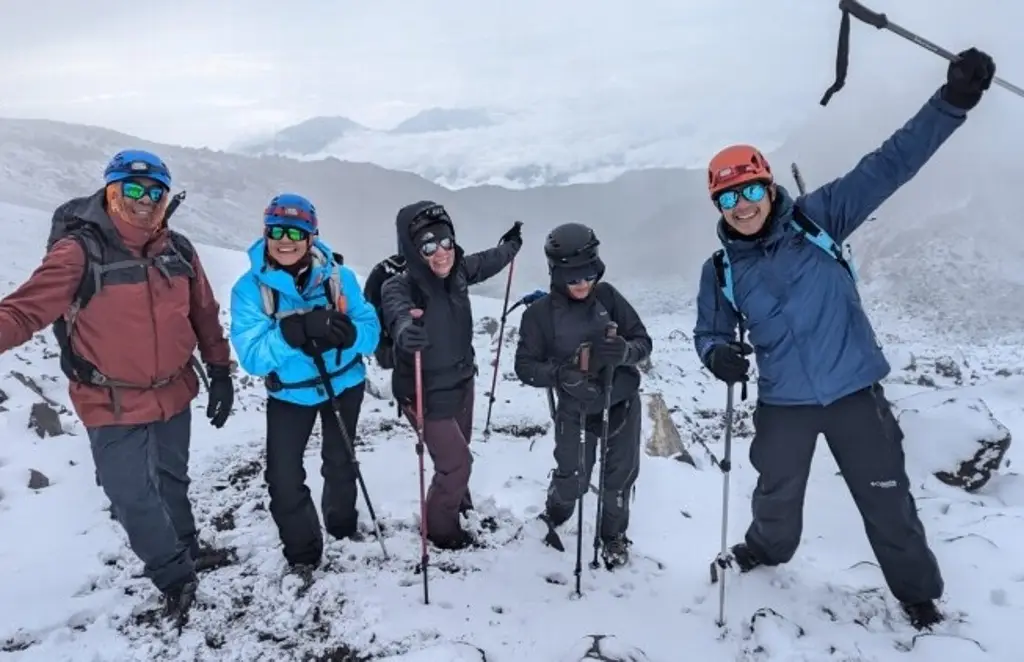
[412, 338]
[608, 352]
[729, 362]
[222, 395]
[341, 334]
[578, 385]
[514, 235]
[968, 78]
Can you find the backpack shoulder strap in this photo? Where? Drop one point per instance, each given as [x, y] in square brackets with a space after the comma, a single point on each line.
[823, 240]
[606, 297]
[723, 275]
[269, 299]
[92, 275]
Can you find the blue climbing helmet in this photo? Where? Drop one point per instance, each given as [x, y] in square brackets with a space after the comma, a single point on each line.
[291, 210]
[131, 163]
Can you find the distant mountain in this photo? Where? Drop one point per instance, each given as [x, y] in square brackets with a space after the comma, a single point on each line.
[446, 119]
[306, 138]
[945, 251]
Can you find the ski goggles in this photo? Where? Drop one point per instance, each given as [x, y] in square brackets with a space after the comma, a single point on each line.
[136, 191]
[279, 232]
[428, 248]
[579, 281]
[753, 192]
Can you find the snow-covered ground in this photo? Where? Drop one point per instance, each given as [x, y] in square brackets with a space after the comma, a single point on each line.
[71, 590]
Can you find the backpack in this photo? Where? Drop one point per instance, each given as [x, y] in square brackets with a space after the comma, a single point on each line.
[102, 258]
[372, 291]
[805, 227]
[335, 296]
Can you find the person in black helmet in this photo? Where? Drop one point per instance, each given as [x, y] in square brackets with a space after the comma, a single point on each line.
[578, 310]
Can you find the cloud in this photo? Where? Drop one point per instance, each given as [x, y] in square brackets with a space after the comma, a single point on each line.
[633, 63]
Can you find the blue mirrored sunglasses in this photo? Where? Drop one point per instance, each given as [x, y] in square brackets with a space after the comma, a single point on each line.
[428, 248]
[753, 192]
[136, 191]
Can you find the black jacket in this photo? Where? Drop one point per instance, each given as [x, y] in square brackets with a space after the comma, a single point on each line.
[553, 328]
[449, 362]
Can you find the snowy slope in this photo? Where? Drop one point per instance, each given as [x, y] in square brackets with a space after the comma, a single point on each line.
[69, 587]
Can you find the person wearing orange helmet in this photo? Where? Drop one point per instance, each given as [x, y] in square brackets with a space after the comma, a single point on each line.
[781, 276]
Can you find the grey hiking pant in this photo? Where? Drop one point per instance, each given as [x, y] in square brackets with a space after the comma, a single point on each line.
[143, 470]
[447, 440]
[867, 443]
[622, 465]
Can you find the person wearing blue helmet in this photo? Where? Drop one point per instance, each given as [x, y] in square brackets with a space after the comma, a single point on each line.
[128, 356]
[299, 320]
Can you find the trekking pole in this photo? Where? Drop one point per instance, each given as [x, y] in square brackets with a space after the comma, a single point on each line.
[882, 22]
[497, 357]
[424, 554]
[350, 447]
[581, 488]
[725, 465]
[610, 331]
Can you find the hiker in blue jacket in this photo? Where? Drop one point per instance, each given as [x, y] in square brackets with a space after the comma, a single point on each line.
[295, 305]
[819, 361]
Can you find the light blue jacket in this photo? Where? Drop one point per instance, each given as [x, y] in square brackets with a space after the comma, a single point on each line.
[260, 345]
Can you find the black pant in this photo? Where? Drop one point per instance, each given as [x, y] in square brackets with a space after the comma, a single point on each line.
[867, 443]
[288, 429]
[620, 472]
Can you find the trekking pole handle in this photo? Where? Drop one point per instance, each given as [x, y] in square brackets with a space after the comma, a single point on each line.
[611, 330]
[862, 13]
[584, 357]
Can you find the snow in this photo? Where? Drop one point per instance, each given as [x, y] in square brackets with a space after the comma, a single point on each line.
[71, 590]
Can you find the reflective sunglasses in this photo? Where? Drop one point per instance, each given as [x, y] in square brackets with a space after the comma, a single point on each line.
[428, 248]
[136, 191]
[279, 232]
[580, 281]
[753, 192]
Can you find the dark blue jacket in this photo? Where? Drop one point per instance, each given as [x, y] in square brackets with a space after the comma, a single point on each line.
[812, 340]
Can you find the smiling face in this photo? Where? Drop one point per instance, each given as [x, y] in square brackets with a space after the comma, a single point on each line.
[142, 202]
[747, 208]
[287, 245]
[436, 245]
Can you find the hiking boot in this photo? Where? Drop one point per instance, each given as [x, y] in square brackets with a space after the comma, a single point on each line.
[745, 558]
[460, 540]
[922, 615]
[211, 558]
[347, 531]
[178, 600]
[615, 551]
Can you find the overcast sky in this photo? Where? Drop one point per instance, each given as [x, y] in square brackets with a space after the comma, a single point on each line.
[207, 72]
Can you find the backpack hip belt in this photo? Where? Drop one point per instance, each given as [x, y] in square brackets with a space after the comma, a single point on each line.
[274, 384]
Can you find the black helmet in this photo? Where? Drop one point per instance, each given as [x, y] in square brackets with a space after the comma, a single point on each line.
[571, 246]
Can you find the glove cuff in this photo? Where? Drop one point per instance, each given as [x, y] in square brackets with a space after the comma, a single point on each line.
[218, 371]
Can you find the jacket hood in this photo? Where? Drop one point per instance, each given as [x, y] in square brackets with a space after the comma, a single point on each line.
[278, 279]
[782, 209]
[407, 248]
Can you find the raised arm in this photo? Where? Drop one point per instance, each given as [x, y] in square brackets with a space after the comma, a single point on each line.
[842, 205]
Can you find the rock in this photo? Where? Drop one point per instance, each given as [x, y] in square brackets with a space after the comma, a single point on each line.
[608, 648]
[488, 325]
[45, 420]
[37, 480]
[31, 385]
[955, 438]
[663, 438]
[449, 652]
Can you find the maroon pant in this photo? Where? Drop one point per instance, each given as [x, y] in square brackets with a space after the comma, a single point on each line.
[447, 441]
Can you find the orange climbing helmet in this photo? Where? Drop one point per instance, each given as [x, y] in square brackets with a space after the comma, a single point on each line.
[737, 165]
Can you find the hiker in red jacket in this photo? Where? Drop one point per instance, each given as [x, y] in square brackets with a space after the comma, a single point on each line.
[130, 303]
